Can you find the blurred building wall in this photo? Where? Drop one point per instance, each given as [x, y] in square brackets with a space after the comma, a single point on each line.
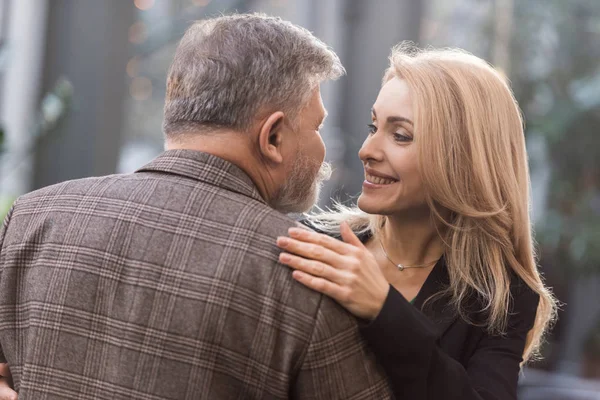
[86, 41]
[372, 29]
[23, 30]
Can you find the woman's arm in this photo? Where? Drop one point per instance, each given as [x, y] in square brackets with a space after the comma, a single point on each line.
[406, 344]
[404, 340]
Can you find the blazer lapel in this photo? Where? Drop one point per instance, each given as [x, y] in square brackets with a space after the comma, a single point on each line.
[438, 310]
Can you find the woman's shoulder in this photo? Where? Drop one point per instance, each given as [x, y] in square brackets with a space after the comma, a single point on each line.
[523, 301]
[522, 307]
[521, 311]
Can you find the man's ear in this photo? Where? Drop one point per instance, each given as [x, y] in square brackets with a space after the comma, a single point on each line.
[270, 137]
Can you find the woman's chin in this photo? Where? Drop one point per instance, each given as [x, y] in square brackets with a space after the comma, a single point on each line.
[370, 205]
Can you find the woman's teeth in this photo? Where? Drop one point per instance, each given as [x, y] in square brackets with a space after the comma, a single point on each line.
[379, 181]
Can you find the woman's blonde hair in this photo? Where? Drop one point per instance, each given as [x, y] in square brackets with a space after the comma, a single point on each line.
[473, 162]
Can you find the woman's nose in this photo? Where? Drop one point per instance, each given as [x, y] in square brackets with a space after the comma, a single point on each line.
[371, 149]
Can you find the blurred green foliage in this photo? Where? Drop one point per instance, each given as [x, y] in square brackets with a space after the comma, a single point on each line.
[5, 201]
[53, 108]
[556, 77]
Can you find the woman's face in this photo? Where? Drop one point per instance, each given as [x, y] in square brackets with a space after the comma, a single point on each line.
[392, 183]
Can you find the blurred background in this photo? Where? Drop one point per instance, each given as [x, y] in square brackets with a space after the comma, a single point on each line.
[82, 85]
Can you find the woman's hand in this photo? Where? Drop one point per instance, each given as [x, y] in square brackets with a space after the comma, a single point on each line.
[6, 393]
[345, 271]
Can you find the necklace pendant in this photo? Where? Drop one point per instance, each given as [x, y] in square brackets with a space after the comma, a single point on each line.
[400, 267]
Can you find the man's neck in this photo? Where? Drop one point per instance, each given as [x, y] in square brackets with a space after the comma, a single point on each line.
[234, 148]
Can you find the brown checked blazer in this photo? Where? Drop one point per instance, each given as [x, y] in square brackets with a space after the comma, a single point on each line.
[164, 284]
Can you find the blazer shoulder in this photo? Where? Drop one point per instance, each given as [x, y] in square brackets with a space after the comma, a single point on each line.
[273, 223]
[74, 186]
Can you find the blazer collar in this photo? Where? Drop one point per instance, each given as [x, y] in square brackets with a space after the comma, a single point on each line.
[204, 167]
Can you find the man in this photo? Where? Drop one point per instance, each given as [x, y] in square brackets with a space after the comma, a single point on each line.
[165, 284]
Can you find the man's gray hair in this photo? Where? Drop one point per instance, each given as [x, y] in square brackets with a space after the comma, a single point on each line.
[228, 69]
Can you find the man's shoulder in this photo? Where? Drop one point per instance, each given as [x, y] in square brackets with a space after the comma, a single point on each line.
[273, 223]
[74, 186]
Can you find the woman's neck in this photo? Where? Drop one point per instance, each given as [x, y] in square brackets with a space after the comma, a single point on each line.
[411, 240]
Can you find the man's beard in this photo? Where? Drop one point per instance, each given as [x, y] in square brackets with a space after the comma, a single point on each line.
[301, 189]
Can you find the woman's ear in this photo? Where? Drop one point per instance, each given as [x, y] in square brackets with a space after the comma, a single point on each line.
[270, 137]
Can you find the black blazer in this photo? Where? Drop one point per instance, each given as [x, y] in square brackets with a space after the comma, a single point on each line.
[434, 354]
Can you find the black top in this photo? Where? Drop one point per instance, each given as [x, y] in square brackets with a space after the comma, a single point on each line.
[431, 353]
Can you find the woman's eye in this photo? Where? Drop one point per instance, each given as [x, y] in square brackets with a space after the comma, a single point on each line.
[402, 138]
[398, 137]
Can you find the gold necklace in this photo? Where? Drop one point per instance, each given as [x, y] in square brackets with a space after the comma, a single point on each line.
[402, 267]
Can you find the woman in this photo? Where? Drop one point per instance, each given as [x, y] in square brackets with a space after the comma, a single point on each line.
[442, 223]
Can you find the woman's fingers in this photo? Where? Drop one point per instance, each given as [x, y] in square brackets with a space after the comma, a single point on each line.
[349, 236]
[312, 267]
[6, 393]
[321, 285]
[343, 270]
[325, 241]
[309, 250]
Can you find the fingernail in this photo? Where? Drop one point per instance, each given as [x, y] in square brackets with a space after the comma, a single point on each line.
[282, 241]
[297, 275]
[284, 257]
